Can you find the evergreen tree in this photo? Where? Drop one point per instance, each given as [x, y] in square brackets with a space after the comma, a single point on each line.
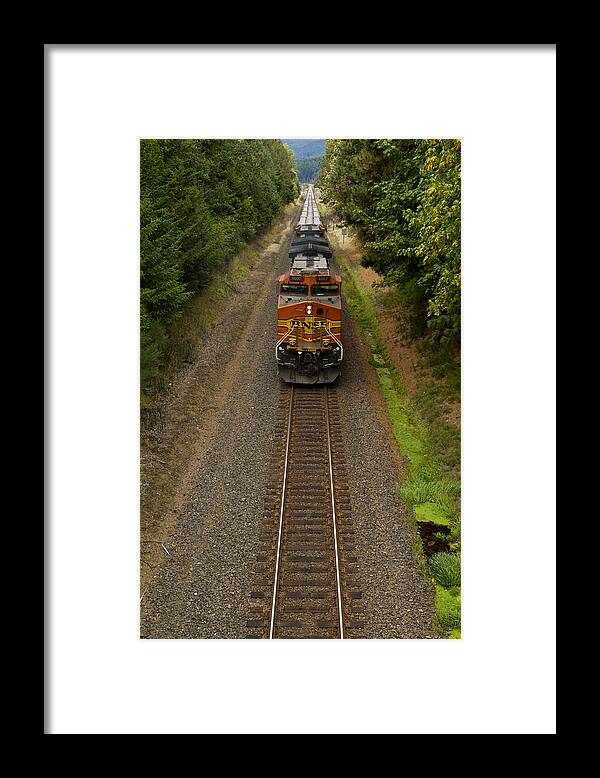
[199, 201]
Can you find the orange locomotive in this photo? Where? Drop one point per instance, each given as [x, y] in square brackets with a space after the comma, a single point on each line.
[309, 347]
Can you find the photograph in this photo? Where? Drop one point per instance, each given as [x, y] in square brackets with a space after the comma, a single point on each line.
[300, 355]
[300, 388]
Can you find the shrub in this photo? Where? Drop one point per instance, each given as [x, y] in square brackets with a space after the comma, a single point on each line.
[152, 346]
[443, 492]
[445, 568]
[447, 607]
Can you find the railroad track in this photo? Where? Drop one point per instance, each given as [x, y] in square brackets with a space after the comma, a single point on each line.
[305, 578]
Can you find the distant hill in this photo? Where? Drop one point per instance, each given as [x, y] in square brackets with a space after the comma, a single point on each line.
[304, 149]
[308, 169]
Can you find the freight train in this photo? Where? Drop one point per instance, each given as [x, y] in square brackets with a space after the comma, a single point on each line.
[309, 346]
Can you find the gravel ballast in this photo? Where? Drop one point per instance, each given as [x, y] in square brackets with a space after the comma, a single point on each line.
[201, 588]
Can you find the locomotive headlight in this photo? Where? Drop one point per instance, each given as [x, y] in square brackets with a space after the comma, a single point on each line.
[308, 310]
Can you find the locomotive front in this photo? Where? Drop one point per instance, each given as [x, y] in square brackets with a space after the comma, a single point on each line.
[309, 348]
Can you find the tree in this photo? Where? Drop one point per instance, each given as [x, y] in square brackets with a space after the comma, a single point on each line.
[403, 199]
[199, 201]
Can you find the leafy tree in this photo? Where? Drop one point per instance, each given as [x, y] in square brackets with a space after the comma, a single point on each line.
[436, 222]
[403, 199]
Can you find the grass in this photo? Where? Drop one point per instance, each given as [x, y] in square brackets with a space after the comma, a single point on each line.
[429, 445]
[447, 606]
[405, 303]
[430, 400]
[439, 389]
[443, 492]
[445, 568]
[431, 511]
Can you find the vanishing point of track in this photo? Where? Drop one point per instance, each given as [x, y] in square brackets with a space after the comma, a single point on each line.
[305, 575]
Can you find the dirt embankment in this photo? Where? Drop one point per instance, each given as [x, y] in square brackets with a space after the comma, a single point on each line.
[406, 352]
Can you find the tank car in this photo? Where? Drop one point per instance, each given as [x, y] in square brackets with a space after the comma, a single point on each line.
[309, 346]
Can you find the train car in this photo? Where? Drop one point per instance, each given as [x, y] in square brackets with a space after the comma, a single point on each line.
[309, 346]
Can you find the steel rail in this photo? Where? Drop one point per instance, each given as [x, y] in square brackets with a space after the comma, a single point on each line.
[309, 203]
[282, 511]
[283, 488]
[335, 544]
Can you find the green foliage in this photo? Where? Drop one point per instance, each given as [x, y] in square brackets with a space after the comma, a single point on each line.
[442, 491]
[436, 222]
[152, 345]
[408, 431]
[403, 199]
[294, 168]
[445, 568]
[431, 512]
[308, 169]
[431, 486]
[447, 606]
[200, 200]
